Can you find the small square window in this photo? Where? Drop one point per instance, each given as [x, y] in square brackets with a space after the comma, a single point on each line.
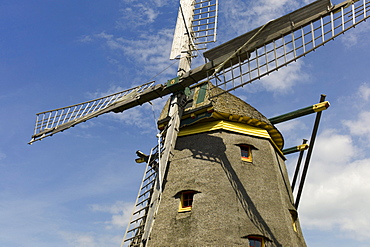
[256, 241]
[186, 201]
[294, 219]
[246, 152]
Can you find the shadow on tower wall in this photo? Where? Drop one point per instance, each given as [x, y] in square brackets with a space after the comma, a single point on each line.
[208, 152]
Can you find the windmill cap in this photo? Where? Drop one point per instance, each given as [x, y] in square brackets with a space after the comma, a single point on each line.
[201, 109]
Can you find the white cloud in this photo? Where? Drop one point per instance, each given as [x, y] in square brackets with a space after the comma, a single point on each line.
[284, 80]
[85, 39]
[111, 90]
[252, 14]
[340, 200]
[150, 51]
[136, 14]
[364, 92]
[79, 239]
[336, 194]
[89, 239]
[354, 37]
[361, 126]
[120, 213]
[330, 145]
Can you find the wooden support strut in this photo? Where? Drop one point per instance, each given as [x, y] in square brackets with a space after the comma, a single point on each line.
[309, 153]
[299, 161]
[295, 149]
[301, 112]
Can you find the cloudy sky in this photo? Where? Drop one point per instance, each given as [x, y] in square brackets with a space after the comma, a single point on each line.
[77, 187]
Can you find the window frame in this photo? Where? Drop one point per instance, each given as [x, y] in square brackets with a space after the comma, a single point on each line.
[294, 215]
[245, 148]
[258, 238]
[183, 206]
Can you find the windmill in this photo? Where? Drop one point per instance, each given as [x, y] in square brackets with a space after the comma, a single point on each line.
[231, 65]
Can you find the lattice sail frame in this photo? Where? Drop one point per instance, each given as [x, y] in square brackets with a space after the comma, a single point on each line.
[136, 228]
[48, 122]
[204, 24]
[196, 26]
[272, 56]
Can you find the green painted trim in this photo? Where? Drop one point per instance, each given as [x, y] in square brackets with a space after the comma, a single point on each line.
[189, 121]
[202, 93]
[173, 81]
[300, 113]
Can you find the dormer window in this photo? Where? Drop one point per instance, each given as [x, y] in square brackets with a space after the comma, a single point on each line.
[246, 152]
[294, 215]
[255, 241]
[186, 200]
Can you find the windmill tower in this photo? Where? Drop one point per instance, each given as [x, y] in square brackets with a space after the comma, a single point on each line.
[218, 171]
[226, 183]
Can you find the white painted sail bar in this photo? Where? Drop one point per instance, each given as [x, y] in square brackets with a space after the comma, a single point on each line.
[183, 29]
[204, 24]
[48, 122]
[236, 71]
[196, 26]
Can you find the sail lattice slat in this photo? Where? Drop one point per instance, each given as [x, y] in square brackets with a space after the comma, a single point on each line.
[238, 71]
[204, 24]
[48, 121]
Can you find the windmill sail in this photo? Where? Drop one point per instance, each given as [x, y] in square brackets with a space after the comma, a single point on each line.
[54, 121]
[250, 57]
[204, 24]
[282, 41]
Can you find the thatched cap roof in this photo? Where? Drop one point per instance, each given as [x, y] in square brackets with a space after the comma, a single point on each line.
[228, 103]
[203, 107]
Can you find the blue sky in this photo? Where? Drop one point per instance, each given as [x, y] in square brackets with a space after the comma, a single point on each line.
[77, 187]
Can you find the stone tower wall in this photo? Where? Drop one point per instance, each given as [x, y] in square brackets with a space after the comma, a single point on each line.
[236, 198]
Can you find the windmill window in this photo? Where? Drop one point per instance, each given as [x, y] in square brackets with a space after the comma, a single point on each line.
[246, 152]
[294, 215]
[255, 241]
[186, 201]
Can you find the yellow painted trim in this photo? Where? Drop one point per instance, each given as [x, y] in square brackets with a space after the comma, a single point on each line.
[186, 209]
[241, 128]
[302, 147]
[247, 159]
[275, 135]
[294, 219]
[294, 226]
[181, 204]
[225, 125]
[321, 106]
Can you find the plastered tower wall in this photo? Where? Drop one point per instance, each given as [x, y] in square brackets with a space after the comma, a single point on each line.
[236, 199]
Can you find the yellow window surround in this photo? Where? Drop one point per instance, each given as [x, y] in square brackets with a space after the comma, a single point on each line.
[246, 152]
[186, 201]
